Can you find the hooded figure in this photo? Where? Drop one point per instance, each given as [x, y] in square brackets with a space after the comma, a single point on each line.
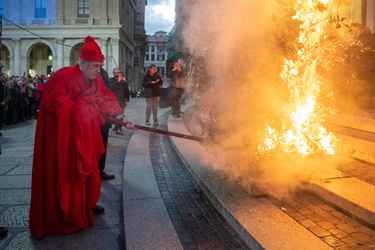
[65, 176]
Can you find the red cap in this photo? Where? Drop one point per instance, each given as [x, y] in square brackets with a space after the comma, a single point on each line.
[91, 51]
[42, 76]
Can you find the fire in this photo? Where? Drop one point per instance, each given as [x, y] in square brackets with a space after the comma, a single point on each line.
[302, 131]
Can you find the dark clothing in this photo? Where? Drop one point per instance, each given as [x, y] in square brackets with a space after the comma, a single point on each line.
[120, 89]
[104, 129]
[176, 94]
[177, 84]
[2, 99]
[151, 89]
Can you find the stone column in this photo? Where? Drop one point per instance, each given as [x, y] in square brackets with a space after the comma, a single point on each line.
[114, 53]
[104, 12]
[60, 54]
[17, 58]
[104, 48]
[60, 12]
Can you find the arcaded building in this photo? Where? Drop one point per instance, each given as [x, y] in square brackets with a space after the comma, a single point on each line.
[40, 36]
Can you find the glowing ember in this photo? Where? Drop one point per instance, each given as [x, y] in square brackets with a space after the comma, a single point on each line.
[302, 132]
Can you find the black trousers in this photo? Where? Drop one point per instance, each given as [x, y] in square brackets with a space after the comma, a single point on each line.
[2, 115]
[176, 94]
[104, 129]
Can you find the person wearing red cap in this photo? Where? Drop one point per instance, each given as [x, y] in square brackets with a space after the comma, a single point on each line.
[66, 183]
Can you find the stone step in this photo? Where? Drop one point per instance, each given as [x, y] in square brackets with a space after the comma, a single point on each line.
[348, 194]
[356, 136]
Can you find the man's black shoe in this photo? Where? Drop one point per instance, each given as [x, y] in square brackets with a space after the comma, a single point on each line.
[3, 231]
[107, 176]
[98, 210]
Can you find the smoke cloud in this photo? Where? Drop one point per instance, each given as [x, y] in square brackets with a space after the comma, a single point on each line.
[243, 46]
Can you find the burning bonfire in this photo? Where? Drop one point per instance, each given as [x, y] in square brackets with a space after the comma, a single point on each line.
[302, 131]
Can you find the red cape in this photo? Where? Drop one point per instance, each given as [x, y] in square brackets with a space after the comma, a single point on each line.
[68, 145]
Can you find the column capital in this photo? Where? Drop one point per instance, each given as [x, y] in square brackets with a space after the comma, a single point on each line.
[16, 41]
[115, 41]
[60, 41]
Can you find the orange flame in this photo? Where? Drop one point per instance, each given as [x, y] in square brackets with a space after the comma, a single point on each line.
[303, 133]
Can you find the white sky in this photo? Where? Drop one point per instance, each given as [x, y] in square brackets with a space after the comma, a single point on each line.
[159, 16]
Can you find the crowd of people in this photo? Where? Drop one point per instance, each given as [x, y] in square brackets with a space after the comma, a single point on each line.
[20, 98]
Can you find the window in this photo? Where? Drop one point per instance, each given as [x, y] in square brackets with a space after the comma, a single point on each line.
[161, 48]
[161, 71]
[152, 48]
[147, 57]
[83, 8]
[160, 57]
[2, 8]
[152, 57]
[40, 8]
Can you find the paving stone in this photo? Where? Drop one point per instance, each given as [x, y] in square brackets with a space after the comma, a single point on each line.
[347, 228]
[314, 217]
[297, 216]
[6, 168]
[305, 211]
[366, 230]
[333, 220]
[338, 233]
[23, 181]
[15, 196]
[344, 248]
[15, 161]
[15, 216]
[21, 170]
[362, 237]
[333, 241]
[352, 242]
[320, 232]
[325, 224]
[308, 223]
[325, 207]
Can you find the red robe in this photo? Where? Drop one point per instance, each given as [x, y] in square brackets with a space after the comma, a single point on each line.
[68, 145]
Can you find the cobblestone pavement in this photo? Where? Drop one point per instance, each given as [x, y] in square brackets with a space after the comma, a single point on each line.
[329, 224]
[197, 223]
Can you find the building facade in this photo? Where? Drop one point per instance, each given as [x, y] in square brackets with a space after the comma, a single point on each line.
[141, 44]
[41, 36]
[157, 51]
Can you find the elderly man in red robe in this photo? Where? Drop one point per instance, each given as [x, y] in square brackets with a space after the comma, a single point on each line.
[68, 144]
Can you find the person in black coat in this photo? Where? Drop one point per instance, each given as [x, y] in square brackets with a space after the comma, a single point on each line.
[151, 84]
[119, 86]
[177, 83]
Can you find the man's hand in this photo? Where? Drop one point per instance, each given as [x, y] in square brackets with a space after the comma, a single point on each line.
[126, 104]
[121, 78]
[129, 124]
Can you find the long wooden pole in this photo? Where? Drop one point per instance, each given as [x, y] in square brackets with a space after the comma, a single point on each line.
[159, 131]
